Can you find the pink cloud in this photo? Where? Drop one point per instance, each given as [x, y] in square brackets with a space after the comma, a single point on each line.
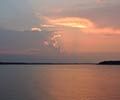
[99, 1]
[46, 43]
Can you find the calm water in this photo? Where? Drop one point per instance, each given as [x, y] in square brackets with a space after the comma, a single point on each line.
[59, 82]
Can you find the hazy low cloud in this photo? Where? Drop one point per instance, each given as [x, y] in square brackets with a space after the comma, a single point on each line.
[26, 42]
[43, 46]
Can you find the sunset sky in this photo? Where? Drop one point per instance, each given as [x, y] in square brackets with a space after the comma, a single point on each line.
[59, 30]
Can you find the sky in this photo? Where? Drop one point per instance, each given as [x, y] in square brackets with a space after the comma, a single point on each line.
[85, 31]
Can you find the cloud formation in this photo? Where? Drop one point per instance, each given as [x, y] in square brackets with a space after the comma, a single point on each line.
[78, 35]
[36, 29]
[27, 43]
[54, 40]
[75, 22]
[83, 24]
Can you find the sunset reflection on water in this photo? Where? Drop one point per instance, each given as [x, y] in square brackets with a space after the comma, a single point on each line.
[79, 83]
[60, 82]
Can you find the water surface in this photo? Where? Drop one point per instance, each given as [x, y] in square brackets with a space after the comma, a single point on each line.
[59, 82]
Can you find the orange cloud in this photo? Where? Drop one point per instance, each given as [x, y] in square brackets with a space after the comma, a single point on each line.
[36, 29]
[84, 25]
[68, 22]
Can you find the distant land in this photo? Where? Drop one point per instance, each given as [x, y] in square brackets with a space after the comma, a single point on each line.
[57, 63]
[109, 63]
[36, 63]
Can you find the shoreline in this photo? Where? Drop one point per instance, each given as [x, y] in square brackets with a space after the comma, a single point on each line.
[22, 63]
